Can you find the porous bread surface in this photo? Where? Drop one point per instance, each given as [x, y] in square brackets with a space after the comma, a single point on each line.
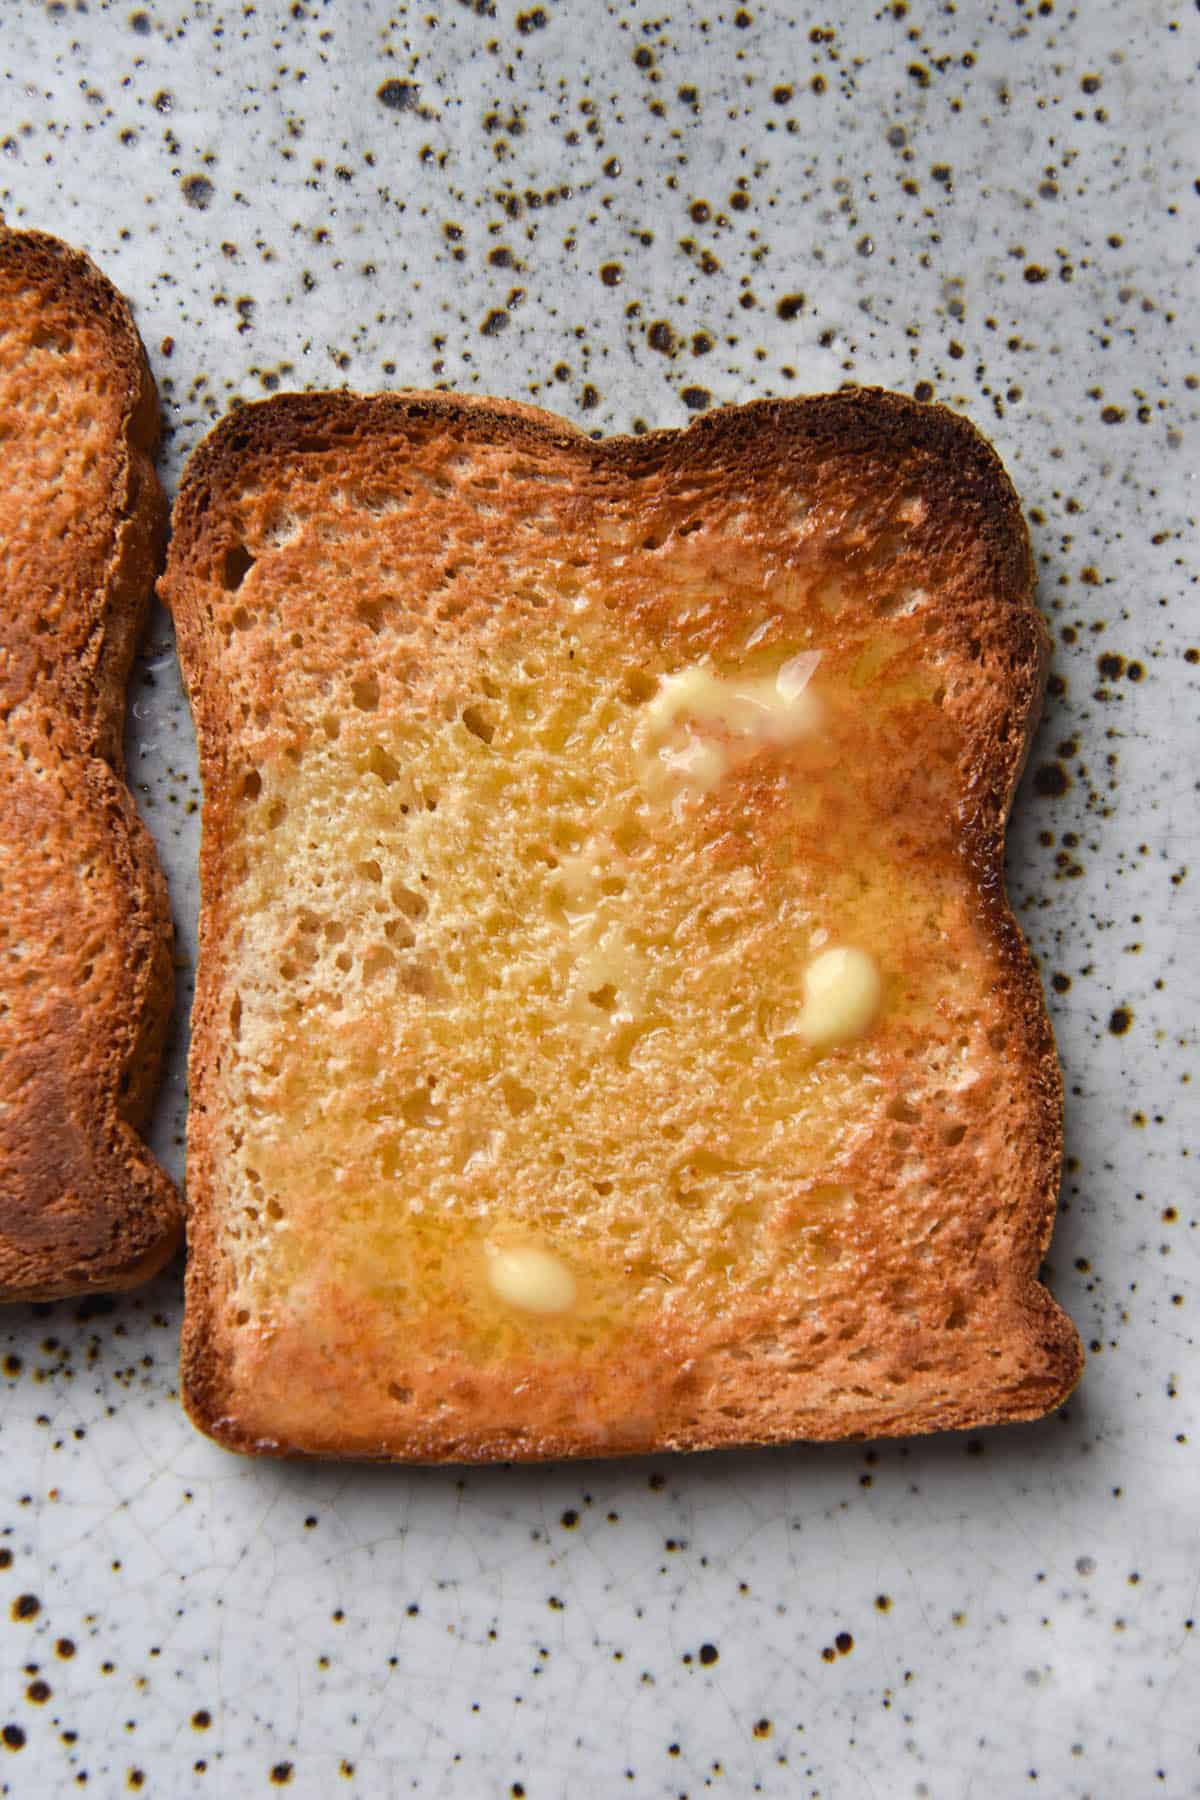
[497, 953]
[85, 930]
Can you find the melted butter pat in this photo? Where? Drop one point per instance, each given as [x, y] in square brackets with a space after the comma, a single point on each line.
[749, 711]
[603, 961]
[581, 876]
[842, 994]
[607, 963]
[532, 1280]
[698, 761]
[772, 709]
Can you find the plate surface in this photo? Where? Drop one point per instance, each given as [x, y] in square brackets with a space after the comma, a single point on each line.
[628, 216]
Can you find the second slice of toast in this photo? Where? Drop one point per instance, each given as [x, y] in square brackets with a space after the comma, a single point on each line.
[610, 1033]
[85, 927]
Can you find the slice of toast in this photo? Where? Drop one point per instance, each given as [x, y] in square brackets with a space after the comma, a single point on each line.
[611, 1033]
[85, 928]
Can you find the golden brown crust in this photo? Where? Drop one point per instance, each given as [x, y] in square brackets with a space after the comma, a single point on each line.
[982, 1341]
[85, 933]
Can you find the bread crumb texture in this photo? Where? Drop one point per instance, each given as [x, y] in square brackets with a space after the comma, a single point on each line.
[542, 779]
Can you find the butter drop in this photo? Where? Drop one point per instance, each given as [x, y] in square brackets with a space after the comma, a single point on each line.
[530, 1279]
[842, 993]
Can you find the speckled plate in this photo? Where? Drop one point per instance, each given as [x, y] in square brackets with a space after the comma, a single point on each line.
[630, 215]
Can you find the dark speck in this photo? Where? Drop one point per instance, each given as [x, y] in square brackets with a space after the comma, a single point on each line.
[709, 1654]
[281, 1774]
[644, 57]
[140, 22]
[611, 274]
[569, 1519]
[1110, 665]
[14, 1737]
[844, 1643]
[1051, 781]
[26, 1606]
[696, 399]
[494, 323]
[163, 101]
[589, 398]
[1033, 274]
[660, 337]
[399, 96]
[1119, 1020]
[198, 192]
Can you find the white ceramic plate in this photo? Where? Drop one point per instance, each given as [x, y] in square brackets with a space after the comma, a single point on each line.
[993, 204]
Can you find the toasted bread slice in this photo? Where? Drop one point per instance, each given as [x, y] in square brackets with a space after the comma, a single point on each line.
[611, 1034]
[85, 929]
